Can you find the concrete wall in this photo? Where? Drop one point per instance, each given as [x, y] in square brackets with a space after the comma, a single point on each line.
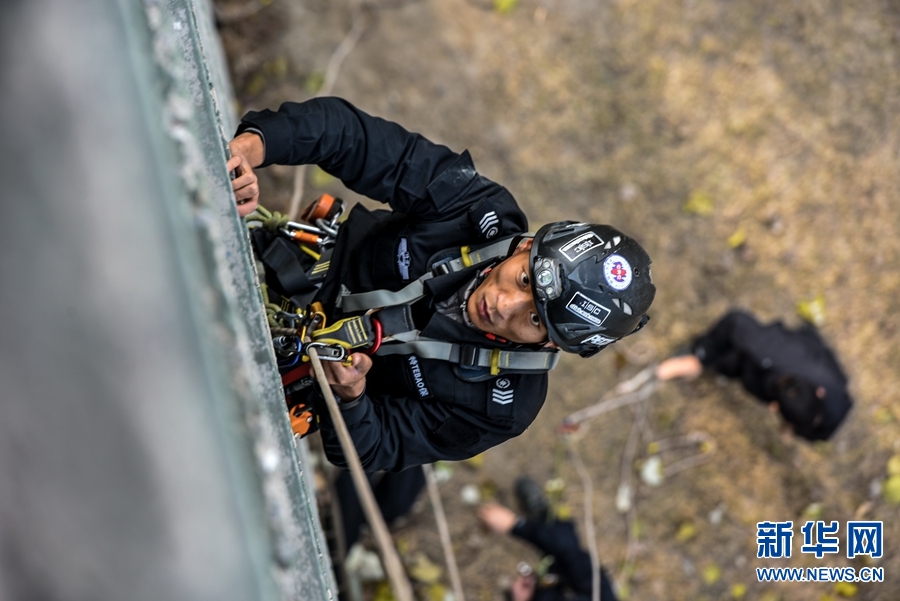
[144, 449]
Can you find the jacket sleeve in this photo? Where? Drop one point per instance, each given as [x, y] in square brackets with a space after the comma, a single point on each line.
[371, 156]
[393, 433]
[722, 347]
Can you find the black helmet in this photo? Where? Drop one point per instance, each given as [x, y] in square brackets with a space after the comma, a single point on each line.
[592, 284]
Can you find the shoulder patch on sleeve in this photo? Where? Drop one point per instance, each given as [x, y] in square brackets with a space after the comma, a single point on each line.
[497, 215]
[501, 397]
[485, 220]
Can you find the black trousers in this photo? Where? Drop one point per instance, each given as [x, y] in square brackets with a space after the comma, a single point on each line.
[395, 493]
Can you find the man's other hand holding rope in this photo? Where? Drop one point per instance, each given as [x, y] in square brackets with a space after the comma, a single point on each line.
[348, 381]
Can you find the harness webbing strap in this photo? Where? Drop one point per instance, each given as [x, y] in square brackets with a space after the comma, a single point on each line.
[353, 332]
[469, 257]
[396, 320]
[359, 332]
[287, 268]
[363, 301]
[472, 356]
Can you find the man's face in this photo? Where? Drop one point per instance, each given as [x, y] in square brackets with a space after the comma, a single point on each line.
[504, 303]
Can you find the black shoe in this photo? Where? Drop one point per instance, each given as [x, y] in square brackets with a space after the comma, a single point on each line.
[532, 501]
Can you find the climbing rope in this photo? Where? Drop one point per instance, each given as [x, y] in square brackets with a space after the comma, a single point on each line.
[389, 556]
[443, 531]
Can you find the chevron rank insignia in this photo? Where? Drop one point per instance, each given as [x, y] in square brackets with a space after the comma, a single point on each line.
[502, 394]
[485, 219]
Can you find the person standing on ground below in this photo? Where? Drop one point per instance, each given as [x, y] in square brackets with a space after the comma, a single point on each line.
[570, 574]
[793, 371]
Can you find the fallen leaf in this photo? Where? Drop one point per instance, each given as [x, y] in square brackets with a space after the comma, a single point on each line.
[813, 511]
[384, 593]
[314, 82]
[256, 85]
[883, 416]
[443, 471]
[891, 490]
[424, 570]
[845, 589]
[436, 592]
[737, 239]
[403, 545]
[686, 532]
[738, 591]
[476, 462]
[277, 67]
[554, 486]
[487, 490]
[562, 512]
[893, 466]
[637, 529]
[711, 573]
[813, 310]
[698, 204]
[505, 6]
[320, 178]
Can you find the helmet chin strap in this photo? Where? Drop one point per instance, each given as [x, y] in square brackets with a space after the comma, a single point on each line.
[517, 240]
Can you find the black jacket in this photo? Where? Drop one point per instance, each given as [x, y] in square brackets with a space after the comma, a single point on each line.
[740, 347]
[414, 410]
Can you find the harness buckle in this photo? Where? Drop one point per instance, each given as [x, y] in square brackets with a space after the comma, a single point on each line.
[328, 352]
[442, 268]
[468, 355]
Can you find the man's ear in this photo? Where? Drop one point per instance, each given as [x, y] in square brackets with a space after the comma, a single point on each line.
[524, 245]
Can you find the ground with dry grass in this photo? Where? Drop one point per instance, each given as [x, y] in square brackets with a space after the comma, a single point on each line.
[752, 147]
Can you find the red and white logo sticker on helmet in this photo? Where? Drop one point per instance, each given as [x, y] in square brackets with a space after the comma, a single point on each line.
[579, 245]
[617, 272]
[587, 309]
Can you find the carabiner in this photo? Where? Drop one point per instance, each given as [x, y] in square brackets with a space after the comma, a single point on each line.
[328, 352]
[286, 345]
[378, 336]
[327, 228]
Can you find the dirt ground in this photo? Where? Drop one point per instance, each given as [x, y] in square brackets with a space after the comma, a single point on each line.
[752, 147]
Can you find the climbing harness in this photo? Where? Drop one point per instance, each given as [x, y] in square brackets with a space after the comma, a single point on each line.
[384, 321]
